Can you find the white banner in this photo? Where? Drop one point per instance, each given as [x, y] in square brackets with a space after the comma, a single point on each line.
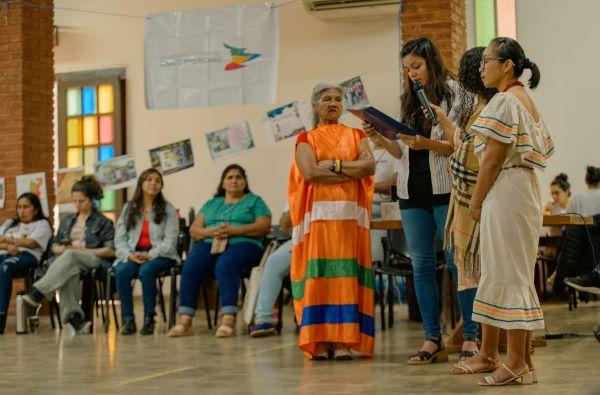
[212, 57]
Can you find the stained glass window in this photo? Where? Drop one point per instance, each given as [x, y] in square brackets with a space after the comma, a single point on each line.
[90, 111]
[494, 18]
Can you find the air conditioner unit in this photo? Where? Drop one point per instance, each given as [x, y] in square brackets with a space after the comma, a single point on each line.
[351, 9]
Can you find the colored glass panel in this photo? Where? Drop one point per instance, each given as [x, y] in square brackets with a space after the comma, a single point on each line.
[108, 202]
[73, 102]
[106, 129]
[74, 131]
[485, 22]
[90, 156]
[106, 100]
[74, 157]
[106, 152]
[506, 18]
[90, 130]
[89, 100]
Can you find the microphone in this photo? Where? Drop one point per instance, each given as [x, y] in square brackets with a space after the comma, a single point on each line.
[420, 91]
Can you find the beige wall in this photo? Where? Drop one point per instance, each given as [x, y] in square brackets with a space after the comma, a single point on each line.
[310, 51]
[561, 38]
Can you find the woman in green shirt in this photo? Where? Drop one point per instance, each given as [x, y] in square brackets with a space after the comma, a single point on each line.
[228, 228]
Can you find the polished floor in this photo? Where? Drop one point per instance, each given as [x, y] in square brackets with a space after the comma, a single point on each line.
[52, 362]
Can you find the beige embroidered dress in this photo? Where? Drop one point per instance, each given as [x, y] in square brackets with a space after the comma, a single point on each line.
[511, 217]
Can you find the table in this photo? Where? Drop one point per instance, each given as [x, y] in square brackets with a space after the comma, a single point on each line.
[549, 220]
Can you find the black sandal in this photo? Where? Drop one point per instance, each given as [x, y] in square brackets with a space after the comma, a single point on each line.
[464, 355]
[426, 358]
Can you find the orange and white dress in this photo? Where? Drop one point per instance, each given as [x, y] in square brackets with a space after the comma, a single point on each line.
[511, 216]
[332, 281]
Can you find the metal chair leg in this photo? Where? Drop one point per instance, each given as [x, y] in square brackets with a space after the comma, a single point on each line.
[51, 314]
[390, 301]
[206, 306]
[280, 313]
[161, 299]
[381, 301]
[173, 298]
[217, 306]
[107, 298]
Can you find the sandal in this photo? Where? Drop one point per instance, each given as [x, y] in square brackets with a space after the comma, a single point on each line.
[464, 355]
[426, 358]
[180, 330]
[322, 356]
[227, 327]
[467, 369]
[523, 377]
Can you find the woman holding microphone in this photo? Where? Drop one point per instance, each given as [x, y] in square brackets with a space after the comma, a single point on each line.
[424, 187]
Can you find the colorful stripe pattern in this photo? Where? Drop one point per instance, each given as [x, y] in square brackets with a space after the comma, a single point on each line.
[507, 315]
[332, 281]
[506, 119]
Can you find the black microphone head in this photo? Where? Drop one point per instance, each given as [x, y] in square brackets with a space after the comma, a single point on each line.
[418, 86]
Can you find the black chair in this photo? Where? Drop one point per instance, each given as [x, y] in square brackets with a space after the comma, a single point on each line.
[34, 274]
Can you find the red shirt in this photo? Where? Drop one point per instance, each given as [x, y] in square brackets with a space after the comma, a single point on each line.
[144, 241]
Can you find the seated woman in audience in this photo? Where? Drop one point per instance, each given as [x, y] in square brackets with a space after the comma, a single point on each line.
[276, 269]
[588, 202]
[146, 244]
[228, 228]
[560, 188]
[84, 241]
[23, 241]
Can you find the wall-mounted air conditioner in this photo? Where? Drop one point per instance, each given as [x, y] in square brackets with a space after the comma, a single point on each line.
[351, 9]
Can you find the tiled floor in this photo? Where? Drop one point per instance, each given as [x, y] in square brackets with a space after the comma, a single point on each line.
[49, 362]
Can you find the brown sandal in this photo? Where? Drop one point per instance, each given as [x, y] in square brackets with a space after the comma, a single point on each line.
[227, 327]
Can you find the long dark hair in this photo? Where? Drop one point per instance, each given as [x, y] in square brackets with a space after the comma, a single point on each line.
[89, 187]
[470, 85]
[592, 175]
[37, 205]
[562, 181]
[508, 48]
[437, 89]
[234, 166]
[159, 206]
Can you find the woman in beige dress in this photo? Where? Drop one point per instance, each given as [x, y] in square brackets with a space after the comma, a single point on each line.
[512, 141]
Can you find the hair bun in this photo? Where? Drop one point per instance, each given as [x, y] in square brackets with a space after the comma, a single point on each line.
[528, 64]
[562, 177]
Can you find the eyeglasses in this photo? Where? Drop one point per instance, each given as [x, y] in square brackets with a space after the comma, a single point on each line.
[485, 61]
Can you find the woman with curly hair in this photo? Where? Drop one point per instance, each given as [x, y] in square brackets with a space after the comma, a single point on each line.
[462, 232]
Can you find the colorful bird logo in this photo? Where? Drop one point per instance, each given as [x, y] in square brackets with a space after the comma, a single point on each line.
[239, 56]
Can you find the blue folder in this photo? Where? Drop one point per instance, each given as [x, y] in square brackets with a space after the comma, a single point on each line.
[384, 124]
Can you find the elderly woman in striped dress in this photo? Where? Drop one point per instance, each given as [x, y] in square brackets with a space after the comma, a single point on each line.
[330, 192]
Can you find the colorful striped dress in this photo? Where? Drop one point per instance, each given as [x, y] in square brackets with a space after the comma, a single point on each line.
[511, 216]
[332, 281]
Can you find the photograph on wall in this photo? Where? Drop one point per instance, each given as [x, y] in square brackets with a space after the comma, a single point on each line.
[2, 192]
[116, 173]
[35, 183]
[172, 158]
[230, 141]
[355, 95]
[287, 121]
[65, 178]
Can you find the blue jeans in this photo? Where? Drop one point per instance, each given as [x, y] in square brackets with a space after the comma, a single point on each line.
[227, 268]
[420, 227]
[147, 273]
[276, 269]
[11, 266]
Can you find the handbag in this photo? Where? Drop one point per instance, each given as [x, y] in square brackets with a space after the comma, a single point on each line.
[253, 284]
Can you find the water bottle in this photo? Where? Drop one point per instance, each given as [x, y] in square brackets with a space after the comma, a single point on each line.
[21, 309]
